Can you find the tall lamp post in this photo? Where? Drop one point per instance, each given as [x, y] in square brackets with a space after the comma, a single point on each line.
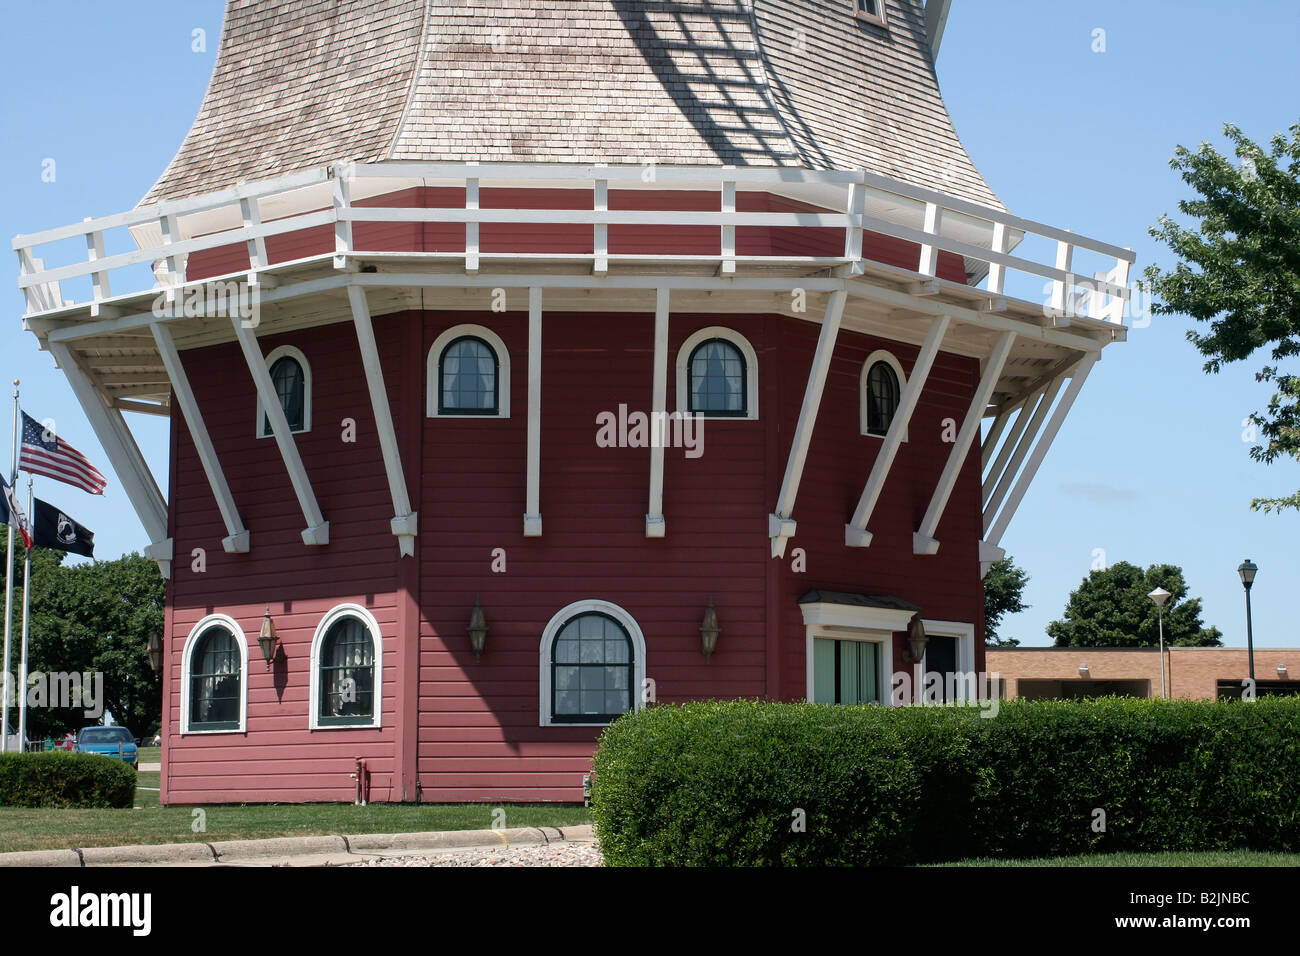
[1247, 571]
[1160, 596]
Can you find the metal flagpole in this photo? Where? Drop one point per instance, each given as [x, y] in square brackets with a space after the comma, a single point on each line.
[9, 582]
[22, 651]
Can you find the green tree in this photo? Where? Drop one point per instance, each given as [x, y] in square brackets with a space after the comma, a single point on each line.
[94, 617]
[1239, 271]
[1003, 587]
[1111, 609]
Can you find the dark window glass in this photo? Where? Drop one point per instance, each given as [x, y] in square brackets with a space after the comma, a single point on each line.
[591, 670]
[718, 383]
[467, 372]
[882, 398]
[347, 674]
[291, 387]
[870, 7]
[214, 681]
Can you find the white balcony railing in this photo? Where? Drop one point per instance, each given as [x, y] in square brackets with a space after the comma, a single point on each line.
[165, 234]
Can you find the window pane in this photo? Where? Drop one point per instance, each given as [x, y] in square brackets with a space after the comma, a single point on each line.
[566, 702]
[347, 670]
[290, 387]
[591, 668]
[215, 678]
[882, 398]
[469, 376]
[823, 671]
[717, 378]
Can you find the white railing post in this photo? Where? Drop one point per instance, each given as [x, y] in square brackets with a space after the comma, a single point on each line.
[471, 227]
[1120, 278]
[175, 271]
[929, 264]
[856, 209]
[256, 247]
[997, 271]
[729, 232]
[1060, 287]
[95, 253]
[342, 215]
[600, 231]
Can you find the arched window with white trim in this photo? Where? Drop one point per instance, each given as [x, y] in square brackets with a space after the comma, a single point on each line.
[880, 391]
[214, 670]
[717, 375]
[468, 374]
[592, 665]
[291, 376]
[347, 669]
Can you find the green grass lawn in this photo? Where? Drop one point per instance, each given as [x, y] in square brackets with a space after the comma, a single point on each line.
[27, 829]
[1179, 858]
[150, 754]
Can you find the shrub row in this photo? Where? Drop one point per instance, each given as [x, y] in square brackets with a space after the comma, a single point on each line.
[65, 780]
[755, 783]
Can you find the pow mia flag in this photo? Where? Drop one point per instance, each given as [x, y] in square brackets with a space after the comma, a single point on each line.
[51, 528]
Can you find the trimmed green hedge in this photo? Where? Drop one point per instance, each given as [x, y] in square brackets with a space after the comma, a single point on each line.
[58, 779]
[727, 783]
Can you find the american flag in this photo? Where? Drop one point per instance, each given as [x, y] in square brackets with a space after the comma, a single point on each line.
[44, 453]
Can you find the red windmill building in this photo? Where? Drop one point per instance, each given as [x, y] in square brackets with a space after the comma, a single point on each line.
[527, 365]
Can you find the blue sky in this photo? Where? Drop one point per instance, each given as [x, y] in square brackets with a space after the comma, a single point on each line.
[1150, 466]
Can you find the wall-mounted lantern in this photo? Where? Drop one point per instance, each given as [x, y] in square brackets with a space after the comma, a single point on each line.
[267, 639]
[1083, 670]
[477, 629]
[709, 631]
[917, 639]
[1281, 671]
[155, 652]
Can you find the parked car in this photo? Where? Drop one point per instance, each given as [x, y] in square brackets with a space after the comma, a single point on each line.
[110, 742]
[13, 744]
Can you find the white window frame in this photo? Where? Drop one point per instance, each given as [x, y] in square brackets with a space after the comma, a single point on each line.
[877, 18]
[965, 635]
[433, 373]
[552, 630]
[294, 353]
[187, 651]
[751, 372]
[843, 622]
[890, 359]
[331, 617]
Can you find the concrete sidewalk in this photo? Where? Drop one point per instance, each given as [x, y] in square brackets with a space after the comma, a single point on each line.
[297, 851]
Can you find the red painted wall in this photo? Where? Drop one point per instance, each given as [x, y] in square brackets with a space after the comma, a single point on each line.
[468, 730]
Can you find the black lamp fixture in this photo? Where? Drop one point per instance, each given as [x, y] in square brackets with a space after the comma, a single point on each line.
[916, 641]
[155, 652]
[477, 629]
[709, 631]
[267, 639]
[1247, 570]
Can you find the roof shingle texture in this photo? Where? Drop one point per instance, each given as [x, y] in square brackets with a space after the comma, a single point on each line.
[299, 83]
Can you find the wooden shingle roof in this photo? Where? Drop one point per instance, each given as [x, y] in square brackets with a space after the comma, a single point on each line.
[299, 83]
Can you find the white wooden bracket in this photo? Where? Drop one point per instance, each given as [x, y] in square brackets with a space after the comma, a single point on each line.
[237, 537]
[317, 532]
[533, 493]
[781, 525]
[923, 540]
[404, 520]
[655, 525]
[856, 534]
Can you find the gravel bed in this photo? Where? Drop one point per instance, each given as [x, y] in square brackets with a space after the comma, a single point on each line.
[539, 854]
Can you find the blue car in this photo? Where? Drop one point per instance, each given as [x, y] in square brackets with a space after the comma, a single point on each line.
[109, 742]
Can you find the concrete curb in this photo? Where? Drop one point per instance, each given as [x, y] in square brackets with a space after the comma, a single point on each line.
[230, 851]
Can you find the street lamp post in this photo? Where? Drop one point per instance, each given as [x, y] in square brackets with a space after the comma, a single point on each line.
[1247, 571]
[1160, 596]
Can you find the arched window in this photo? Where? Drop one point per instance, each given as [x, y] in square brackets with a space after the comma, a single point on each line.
[717, 375]
[881, 389]
[215, 659]
[346, 662]
[469, 374]
[593, 665]
[291, 376]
